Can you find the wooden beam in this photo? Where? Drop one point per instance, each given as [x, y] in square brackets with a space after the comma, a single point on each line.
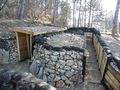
[18, 47]
[20, 30]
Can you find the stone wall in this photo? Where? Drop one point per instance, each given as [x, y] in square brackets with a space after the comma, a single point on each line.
[14, 57]
[58, 68]
[10, 80]
[4, 56]
[8, 52]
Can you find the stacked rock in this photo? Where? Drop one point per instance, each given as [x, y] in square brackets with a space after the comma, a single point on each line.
[59, 67]
[13, 51]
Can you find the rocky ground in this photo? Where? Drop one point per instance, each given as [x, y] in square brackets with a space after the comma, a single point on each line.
[66, 39]
[113, 44]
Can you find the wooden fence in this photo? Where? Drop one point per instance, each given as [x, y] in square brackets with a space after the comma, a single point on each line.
[106, 61]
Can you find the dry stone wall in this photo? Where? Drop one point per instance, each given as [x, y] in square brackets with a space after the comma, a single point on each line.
[59, 59]
[8, 53]
[57, 67]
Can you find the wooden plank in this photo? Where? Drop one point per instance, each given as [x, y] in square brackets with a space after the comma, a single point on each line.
[108, 85]
[94, 40]
[30, 49]
[22, 46]
[28, 44]
[103, 64]
[112, 81]
[34, 33]
[98, 50]
[20, 31]
[18, 48]
[95, 44]
[100, 58]
[114, 72]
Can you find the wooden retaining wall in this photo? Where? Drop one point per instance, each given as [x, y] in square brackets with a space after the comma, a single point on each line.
[111, 77]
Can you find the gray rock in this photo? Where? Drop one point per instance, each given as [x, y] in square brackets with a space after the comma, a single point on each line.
[49, 70]
[51, 63]
[57, 65]
[52, 75]
[68, 82]
[64, 78]
[61, 66]
[67, 57]
[35, 66]
[73, 56]
[67, 68]
[57, 78]
[48, 52]
[70, 62]
[69, 73]
[62, 53]
[75, 67]
[69, 52]
[55, 53]
[79, 63]
[45, 78]
[54, 58]
[40, 74]
[52, 83]
[62, 62]
[61, 71]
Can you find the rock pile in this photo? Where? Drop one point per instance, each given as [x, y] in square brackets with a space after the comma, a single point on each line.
[10, 80]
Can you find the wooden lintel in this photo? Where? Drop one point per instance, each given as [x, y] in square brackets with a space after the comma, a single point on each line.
[21, 31]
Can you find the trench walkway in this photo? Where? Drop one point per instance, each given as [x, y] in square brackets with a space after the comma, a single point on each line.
[92, 76]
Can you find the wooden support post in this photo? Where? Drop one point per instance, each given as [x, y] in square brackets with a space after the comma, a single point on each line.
[18, 48]
[28, 44]
[30, 49]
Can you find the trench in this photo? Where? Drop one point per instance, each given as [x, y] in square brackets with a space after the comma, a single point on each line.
[91, 74]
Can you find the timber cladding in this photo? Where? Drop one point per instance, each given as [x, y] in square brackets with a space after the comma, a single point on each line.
[108, 64]
[23, 45]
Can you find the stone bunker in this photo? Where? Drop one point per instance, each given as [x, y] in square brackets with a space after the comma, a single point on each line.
[58, 58]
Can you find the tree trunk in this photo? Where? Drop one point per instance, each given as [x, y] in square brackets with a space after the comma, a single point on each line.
[79, 14]
[91, 25]
[85, 15]
[90, 13]
[116, 21]
[20, 9]
[2, 3]
[73, 13]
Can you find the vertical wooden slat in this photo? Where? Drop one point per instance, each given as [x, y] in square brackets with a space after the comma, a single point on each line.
[100, 55]
[30, 49]
[28, 44]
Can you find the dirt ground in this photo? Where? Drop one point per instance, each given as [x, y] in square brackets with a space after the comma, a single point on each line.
[20, 67]
[113, 44]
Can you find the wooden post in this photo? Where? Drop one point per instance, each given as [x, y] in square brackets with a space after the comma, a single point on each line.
[18, 48]
[30, 49]
[28, 44]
